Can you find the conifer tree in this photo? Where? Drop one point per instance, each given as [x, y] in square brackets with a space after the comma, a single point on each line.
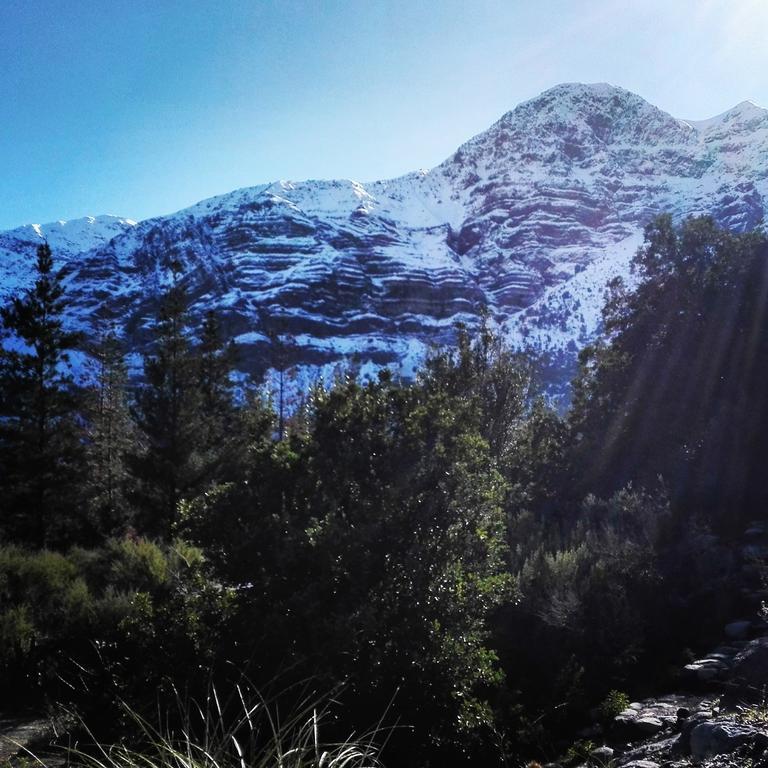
[282, 348]
[168, 414]
[217, 398]
[40, 445]
[111, 437]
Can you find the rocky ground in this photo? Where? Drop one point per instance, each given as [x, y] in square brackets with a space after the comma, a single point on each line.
[723, 723]
[27, 741]
[719, 716]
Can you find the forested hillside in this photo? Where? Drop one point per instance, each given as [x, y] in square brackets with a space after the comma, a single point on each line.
[449, 557]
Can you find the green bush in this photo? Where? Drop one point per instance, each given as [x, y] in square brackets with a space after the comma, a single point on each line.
[613, 704]
[129, 614]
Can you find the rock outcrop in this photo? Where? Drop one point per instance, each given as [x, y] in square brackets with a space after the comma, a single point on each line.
[525, 223]
[718, 716]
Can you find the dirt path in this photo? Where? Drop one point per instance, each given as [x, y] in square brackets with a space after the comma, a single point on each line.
[33, 734]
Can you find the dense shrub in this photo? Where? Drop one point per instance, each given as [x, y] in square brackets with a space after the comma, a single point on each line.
[128, 615]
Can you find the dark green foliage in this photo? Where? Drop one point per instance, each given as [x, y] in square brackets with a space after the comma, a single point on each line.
[168, 414]
[680, 390]
[407, 530]
[111, 437]
[372, 542]
[90, 626]
[218, 439]
[185, 413]
[587, 602]
[40, 446]
[492, 380]
[452, 546]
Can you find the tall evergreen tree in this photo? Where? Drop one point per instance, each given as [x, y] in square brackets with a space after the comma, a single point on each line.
[40, 436]
[218, 415]
[282, 351]
[111, 437]
[168, 414]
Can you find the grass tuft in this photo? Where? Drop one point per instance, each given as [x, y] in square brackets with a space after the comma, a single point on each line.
[246, 730]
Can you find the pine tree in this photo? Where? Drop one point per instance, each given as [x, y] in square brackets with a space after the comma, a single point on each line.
[40, 436]
[217, 398]
[111, 436]
[168, 414]
[282, 349]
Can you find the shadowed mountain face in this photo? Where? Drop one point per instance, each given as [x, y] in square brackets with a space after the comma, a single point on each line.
[526, 222]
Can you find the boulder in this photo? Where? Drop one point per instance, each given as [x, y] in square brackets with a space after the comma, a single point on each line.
[756, 528]
[749, 673]
[687, 726]
[601, 755]
[706, 669]
[738, 630]
[719, 737]
[648, 725]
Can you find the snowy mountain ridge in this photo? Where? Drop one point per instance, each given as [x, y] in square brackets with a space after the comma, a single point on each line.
[526, 221]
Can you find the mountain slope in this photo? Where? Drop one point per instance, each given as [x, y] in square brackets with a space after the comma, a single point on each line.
[526, 222]
[68, 239]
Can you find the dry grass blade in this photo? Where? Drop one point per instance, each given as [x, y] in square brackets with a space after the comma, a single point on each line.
[214, 735]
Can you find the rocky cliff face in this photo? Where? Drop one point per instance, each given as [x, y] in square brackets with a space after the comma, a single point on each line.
[525, 222]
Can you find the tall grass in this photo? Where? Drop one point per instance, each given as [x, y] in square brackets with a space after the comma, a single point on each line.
[246, 730]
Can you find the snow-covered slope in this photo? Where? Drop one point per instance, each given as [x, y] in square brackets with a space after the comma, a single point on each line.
[68, 239]
[526, 221]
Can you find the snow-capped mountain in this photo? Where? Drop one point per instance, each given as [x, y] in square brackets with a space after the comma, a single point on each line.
[68, 239]
[526, 222]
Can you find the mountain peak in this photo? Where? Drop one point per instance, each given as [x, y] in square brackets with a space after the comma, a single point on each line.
[69, 237]
[591, 102]
[580, 96]
[746, 114]
[527, 221]
[577, 89]
[571, 123]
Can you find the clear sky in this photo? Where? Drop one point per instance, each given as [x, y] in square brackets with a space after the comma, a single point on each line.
[141, 107]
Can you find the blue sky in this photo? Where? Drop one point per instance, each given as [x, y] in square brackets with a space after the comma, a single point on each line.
[140, 108]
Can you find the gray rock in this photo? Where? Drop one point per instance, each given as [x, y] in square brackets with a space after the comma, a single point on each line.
[641, 764]
[601, 755]
[756, 528]
[719, 737]
[684, 743]
[648, 724]
[729, 651]
[703, 671]
[738, 630]
[749, 673]
[724, 658]
[754, 552]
